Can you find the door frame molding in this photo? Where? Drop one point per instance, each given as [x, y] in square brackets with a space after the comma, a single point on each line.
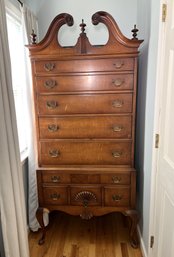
[156, 130]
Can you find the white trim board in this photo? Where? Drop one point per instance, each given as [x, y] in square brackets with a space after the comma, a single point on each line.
[142, 246]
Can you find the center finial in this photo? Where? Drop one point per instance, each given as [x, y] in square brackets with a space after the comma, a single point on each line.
[83, 25]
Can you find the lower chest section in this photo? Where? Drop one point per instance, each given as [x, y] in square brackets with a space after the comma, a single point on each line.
[87, 188]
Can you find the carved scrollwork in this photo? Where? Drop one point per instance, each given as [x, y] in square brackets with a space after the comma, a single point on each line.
[96, 18]
[69, 19]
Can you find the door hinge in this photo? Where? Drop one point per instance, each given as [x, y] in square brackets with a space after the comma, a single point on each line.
[164, 12]
[156, 140]
[151, 241]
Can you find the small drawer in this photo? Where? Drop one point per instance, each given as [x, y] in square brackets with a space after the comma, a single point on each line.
[85, 178]
[49, 176]
[70, 66]
[86, 127]
[109, 82]
[55, 195]
[84, 104]
[117, 196]
[85, 153]
[86, 196]
[115, 178]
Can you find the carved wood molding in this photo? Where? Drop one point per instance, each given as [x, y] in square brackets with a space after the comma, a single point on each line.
[51, 35]
[117, 42]
[115, 33]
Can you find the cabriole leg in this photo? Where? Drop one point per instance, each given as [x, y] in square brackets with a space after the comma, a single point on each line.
[39, 216]
[134, 218]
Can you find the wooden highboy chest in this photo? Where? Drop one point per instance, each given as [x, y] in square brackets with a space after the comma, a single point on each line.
[85, 106]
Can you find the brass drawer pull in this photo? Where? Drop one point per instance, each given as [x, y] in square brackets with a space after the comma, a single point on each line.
[117, 82]
[50, 83]
[116, 179]
[49, 66]
[117, 103]
[117, 198]
[52, 127]
[51, 104]
[55, 196]
[116, 154]
[118, 64]
[55, 179]
[54, 153]
[117, 128]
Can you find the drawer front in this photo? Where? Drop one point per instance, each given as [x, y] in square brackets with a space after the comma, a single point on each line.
[94, 153]
[70, 66]
[55, 195]
[85, 127]
[87, 195]
[116, 179]
[81, 104]
[85, 178]
[50, 176]
[84, 83]
[117, 196]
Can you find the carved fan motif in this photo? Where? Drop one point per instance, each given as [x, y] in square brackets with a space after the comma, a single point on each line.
[85, 197]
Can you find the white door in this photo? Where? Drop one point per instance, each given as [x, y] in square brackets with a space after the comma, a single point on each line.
[164, 200]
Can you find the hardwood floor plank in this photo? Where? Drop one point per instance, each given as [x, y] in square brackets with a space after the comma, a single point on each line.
[74, 251]
[69, 236]
[124, 250]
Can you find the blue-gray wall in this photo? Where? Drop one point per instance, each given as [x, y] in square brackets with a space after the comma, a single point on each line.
[124, 12]
[148, 22]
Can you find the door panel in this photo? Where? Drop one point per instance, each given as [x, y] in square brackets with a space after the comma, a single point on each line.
[164, 200]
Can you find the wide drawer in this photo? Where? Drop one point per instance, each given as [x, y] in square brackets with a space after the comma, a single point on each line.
[86, 82]
[85, 196]
[85, 127]
[84, 152]
[117, 196]
[61, 177]
[55, 195]
[64, 66]
[81, 104]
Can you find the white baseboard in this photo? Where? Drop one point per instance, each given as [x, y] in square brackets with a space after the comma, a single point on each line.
[142, 246]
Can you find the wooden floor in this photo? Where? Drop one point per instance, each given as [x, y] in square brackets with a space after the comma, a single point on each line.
[69, 236]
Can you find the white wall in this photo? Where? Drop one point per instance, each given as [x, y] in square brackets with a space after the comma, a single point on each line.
[124, 12]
